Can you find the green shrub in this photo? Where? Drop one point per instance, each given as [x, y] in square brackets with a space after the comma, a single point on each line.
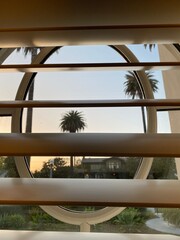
[89, 209]
[130, 216]
[11, 210]
[15, 221]
[37, 216]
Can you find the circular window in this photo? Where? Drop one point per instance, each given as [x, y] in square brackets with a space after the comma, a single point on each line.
[67, 215]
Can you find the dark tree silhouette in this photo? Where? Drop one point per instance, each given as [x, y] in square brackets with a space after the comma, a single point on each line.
[72, 121]
[133, 89]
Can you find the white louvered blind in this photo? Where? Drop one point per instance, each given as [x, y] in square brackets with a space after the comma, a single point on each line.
[50, 28]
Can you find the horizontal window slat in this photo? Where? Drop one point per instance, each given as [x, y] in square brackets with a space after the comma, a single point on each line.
[161, 103]
[46, 235]
[101, 192]
[130, 66]
[90, 144]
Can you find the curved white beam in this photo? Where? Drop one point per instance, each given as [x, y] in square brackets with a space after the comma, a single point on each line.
[90, 144]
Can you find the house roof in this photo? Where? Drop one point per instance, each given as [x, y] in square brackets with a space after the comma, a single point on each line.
[100, 160]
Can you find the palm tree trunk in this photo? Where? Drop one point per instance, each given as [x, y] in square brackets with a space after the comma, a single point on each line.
[71, 166]
[30, 110]
[143, 119]
[143, 115]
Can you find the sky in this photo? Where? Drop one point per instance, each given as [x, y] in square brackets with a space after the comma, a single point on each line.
[74, 85]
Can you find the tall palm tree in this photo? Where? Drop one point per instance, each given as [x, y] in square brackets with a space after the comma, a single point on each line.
[133, 89]
[72, 121]
[33, 51]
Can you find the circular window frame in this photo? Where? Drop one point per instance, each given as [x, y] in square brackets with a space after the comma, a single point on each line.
[58, 212]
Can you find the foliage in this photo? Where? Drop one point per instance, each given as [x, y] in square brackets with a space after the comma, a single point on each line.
[33, 51]
[73, 121]
[115, 228]
[130, 216]
[132, 87]
[150, 46]
[171, 215]
[10, 166]
[13, 209]
[2, 163]
[34, 218]
[15, 221]
[28, 50]
[89, 209]
[163, 168]
[132, 164]
[39, 220]
[39, 216]
[59, 169]
[30, 217]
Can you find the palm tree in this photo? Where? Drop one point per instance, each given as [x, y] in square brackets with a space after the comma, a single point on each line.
[33, 51]
[132, 88]
[72, 121]
[150, 46]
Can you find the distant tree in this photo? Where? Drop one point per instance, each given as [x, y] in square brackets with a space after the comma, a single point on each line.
[72, 121]
[132, 164]
[132, 89]
[163, 168]
[2, 163]
[33, 51]
[60, 170]
[10, 167]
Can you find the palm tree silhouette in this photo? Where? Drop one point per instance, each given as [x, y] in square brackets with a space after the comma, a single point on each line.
[72, 121]
[133, 89]
[150, 46]
[33, 51]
